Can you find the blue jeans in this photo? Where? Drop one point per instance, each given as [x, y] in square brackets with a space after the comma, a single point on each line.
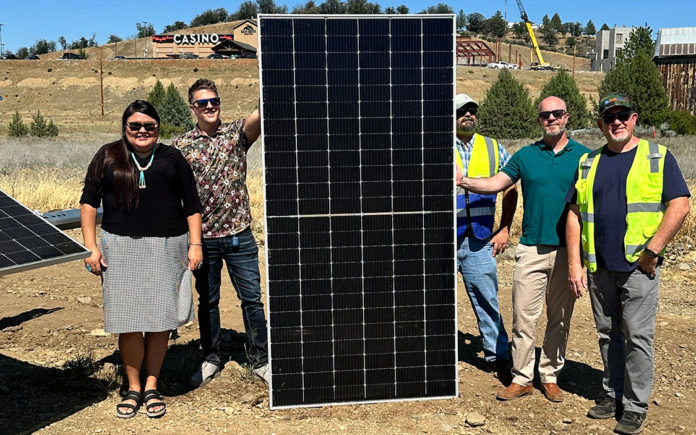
[480, 273]
[243, 268]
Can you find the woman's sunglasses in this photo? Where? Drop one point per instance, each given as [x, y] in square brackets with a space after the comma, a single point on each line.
[136, 126]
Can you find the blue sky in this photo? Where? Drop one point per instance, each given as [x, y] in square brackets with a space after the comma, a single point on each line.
[24, 23]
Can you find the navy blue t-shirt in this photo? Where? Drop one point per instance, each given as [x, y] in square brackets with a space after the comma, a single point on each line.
[609, 192]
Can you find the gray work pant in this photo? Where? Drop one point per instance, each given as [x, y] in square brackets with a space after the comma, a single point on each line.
[624, 305]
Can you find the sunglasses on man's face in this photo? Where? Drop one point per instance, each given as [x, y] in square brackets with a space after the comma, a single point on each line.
[202, 104]
[547, 114]
[622, 116]
[136, 126]
[463, 111]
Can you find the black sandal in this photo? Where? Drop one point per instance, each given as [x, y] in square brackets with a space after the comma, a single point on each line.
[131, 395]
[154, 394]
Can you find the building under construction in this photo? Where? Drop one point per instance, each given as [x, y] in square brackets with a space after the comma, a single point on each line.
[474, 52]
[675, 56]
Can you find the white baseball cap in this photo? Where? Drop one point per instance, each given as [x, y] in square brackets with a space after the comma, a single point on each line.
[461, 100]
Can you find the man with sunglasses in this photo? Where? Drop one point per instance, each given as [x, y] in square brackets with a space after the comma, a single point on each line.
[217, 153]
[546, 169]
[477, 243]
[628, 201]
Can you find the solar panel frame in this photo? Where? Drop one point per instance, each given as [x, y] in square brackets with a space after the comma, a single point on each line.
[325, 212]
[36, 237]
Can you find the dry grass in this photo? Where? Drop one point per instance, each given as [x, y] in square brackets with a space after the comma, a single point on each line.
[44, 188]
[47, 175]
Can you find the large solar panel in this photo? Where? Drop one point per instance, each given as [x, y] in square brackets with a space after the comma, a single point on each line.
[27, 241]
[358, 132]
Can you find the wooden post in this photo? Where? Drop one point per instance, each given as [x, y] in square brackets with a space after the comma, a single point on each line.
[101, 79]
[575, 49]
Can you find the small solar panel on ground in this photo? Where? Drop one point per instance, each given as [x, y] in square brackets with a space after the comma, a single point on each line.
[358, 131]
[27, 241]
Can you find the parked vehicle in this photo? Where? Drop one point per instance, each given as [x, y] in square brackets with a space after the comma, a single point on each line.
[216, 56]
[247, 56]
[70, 56]
[502, 65]
[9, 56]
[188, 56]
[119, 57]
[33, 57]
[537, 67]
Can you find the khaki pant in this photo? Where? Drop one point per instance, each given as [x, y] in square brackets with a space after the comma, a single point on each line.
[541, 271]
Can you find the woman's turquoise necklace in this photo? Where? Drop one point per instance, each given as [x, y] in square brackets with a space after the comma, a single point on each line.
[141, 180]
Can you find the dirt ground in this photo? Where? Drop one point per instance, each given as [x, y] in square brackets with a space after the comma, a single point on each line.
[58, 373]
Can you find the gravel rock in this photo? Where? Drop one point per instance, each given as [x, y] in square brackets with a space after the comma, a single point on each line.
[99, 333]
[84, 300]
[474, 419]
[252, 398]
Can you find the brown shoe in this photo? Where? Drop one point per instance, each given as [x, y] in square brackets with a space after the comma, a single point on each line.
[552, 392]
[514, 390]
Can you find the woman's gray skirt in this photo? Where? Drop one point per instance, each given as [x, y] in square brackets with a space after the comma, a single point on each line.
[146, 285]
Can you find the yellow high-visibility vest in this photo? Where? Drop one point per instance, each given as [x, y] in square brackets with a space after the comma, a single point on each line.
[474, 209]
[644, 207]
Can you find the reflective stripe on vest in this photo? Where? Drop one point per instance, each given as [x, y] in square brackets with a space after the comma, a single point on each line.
[484, 162]
[644, 208]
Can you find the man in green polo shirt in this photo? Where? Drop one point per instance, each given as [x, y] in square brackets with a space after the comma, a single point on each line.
[546, 168]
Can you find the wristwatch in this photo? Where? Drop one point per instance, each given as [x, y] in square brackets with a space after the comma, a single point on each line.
[650, 253]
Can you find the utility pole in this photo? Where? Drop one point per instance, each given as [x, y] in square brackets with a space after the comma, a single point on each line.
[101, 78]
[2, 46]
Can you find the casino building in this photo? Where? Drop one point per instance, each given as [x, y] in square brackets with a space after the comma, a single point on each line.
[242, 40]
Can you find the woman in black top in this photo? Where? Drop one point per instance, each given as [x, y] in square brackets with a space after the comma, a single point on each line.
[150, 235]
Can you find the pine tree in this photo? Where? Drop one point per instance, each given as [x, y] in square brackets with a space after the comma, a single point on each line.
[156, 96]
[175, 111]
[38, 125]
[639, 79]
[564, 87]
[590, 28]
[507, 110]
[556, 23]
[51, 128]
[604, 27]
[639, 40]
[16, 127]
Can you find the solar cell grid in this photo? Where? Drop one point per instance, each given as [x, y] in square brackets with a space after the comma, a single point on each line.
[358, 129]
[27, 241]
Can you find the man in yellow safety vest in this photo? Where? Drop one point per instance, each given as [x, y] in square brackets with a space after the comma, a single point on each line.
[477, 242]
[627, 202]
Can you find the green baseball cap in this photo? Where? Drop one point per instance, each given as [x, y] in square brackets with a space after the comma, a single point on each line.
[614, 100]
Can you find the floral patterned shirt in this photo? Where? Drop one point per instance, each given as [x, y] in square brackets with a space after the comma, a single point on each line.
[219, 164]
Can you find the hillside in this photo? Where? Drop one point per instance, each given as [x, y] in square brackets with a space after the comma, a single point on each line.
[69, 91]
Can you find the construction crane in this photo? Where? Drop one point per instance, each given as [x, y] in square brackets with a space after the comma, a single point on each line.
[541, 64]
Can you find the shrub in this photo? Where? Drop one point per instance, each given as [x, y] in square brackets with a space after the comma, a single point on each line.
[507, 111]
[564, 87]
[17, 128]
[682, 122]
[166, 130]
[39, 127]
[51, 129]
